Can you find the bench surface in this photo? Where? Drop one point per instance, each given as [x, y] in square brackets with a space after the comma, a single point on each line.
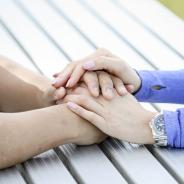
[45, 35]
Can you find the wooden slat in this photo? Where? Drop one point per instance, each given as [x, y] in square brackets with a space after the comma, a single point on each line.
[95, 31]
[36, 44]
[47, 168]
[11, 176]
[67, 38]
[133, 162]
[173, 160]
[10, 49]
[160, 20]
[91, 165]
[145, 42]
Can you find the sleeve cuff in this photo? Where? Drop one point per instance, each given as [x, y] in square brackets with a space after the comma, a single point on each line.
[148, 81]
[172, 126]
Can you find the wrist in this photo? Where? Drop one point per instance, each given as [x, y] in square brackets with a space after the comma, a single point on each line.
[147, 137]
[67, 123]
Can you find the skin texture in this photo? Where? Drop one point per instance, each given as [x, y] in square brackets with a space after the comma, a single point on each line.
[41, 126]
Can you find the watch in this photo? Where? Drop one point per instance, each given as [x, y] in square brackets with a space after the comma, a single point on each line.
[157, 126]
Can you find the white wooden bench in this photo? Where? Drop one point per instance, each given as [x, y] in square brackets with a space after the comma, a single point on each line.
[45, 35]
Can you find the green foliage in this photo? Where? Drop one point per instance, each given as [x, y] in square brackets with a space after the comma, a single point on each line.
[177, 6]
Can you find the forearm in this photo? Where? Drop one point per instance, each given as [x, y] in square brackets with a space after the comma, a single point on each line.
[22, 89]
[25, 134]
[161, 86]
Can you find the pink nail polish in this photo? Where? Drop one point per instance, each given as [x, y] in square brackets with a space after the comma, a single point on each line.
[89, 65]
[130, 88]
[71, 105]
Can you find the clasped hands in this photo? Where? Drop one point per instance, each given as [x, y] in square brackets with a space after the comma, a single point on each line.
[98, 88]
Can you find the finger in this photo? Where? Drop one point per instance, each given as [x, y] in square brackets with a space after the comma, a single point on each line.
[106, 84]
[86, 114]
[130, 88]
[59, 93]
[79, 71]
[91, 80]
[86, 102]
[75, 76]
[119, 86]
[100, 52]
[63, 76]
[114, 66]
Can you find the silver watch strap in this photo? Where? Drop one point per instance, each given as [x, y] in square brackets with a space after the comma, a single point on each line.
[157, 126]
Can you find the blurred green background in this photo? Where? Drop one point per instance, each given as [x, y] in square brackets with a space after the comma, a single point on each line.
[177, 6]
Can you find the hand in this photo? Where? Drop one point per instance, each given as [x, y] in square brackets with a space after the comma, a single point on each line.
[94, 80]
[100, 60]
[123, 117]
[83, 132]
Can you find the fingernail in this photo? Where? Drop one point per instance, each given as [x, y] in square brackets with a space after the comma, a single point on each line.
[130, 88]
[96, 91]
[71, 105]
[110, 93]
[89, 65]
[122, 90]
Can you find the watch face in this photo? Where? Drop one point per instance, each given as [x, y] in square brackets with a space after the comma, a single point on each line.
[159, 125]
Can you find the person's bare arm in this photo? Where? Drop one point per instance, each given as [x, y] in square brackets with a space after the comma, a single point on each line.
[25, 134]
[22, 89]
